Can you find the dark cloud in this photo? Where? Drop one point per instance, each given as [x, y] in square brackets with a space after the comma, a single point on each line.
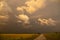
[51, 10]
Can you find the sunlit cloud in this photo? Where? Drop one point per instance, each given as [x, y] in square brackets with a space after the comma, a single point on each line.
[1, 5]
[3, 18]
[23, 18]
[49, 21]
[4, 7]
[32, 6]
[20, 8]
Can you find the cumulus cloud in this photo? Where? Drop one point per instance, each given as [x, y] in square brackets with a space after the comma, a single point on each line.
[32, 5]
[23, 18]
[1, 5]
[20, 9]
[3, 17]
[4, 7]
[49, 21]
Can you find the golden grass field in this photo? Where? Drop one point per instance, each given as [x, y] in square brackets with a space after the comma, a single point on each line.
[48, 36]
[19, 35]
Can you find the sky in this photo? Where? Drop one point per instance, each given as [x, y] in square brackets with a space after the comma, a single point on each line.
[29, 16]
